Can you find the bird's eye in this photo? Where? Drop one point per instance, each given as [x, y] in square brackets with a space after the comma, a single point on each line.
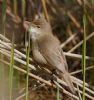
[38, 26]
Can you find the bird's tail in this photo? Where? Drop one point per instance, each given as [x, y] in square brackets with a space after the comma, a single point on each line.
[67, 79]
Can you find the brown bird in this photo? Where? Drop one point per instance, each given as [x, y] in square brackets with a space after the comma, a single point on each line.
[46, 49]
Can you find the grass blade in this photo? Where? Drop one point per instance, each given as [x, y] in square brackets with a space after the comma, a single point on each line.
[11, 71]
[23, 7]
[84, 54]
[4, 11]
[27, 68]
[58, 93]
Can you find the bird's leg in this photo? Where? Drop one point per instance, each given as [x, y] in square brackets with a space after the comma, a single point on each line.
[52, 78]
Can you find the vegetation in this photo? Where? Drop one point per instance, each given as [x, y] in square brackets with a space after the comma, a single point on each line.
[21, 78]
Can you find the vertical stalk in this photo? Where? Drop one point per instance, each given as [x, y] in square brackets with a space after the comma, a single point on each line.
[11, 70]
[4, 15]
[45, 10]
[84, 50]
[27, 68]
[58, 93]
[23, 8]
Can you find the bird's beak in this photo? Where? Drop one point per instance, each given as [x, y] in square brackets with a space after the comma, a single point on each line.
[26, 24]
[29, 27]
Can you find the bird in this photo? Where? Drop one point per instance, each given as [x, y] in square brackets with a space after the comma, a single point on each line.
[46, 49]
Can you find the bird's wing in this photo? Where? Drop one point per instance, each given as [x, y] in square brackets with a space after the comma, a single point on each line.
[50, 49]
[54, 57]
[65, 61]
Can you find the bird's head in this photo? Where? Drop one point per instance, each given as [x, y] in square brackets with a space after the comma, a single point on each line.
[38, 28]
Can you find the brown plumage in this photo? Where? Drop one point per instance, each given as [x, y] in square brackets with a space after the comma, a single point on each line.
[46, 49]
